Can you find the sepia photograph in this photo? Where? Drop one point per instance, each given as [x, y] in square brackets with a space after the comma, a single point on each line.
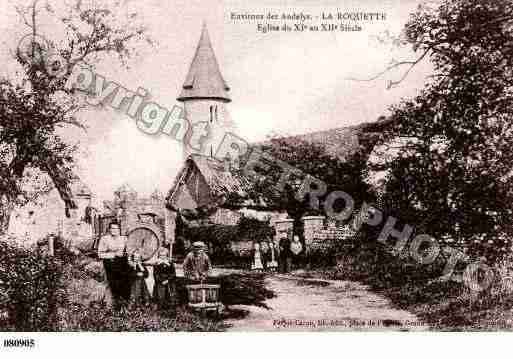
[240, 166]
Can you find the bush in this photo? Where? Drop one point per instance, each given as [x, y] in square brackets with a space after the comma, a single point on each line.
[31, 289]
[416, 288]
[220, 238]
[244, 288]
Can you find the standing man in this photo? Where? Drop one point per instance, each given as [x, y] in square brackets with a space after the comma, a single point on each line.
[196, 266]
[284, 245]
[112, 250]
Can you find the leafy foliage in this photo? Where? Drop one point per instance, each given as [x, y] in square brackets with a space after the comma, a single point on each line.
[451, 175]
[34, 106]
[220, 237]
[311, 159]
[443, 305]
[32, 289]
[28, 142]
[244, 289]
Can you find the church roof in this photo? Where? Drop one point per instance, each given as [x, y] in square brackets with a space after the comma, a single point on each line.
[228, 186]
[204, 79]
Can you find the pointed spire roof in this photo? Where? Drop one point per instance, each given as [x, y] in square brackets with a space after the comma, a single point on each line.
[204, 80]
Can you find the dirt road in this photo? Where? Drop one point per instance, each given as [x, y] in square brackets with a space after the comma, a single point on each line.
[322, 305]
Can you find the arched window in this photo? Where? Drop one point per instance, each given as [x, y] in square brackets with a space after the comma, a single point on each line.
[216, 112]
[211, 113]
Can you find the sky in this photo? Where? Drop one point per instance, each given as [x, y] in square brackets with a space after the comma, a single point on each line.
[281, 83]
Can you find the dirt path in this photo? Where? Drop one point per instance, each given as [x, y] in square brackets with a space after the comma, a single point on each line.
[321, 305]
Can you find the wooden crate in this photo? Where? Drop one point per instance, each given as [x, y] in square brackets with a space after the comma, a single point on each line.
[203, 297]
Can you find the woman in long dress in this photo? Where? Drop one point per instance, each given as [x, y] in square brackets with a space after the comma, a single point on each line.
[164, 291]
[272, 264]
[257, 258]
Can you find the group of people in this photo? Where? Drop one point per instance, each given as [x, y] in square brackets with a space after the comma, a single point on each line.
[264, 256]
[286, 257]
[126, 273]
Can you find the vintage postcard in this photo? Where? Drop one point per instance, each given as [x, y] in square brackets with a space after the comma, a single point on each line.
[242, 166]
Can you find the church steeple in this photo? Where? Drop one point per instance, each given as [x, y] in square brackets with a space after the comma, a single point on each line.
[204, 79]
[205, 99]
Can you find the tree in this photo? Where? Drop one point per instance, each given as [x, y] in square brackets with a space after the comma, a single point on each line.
[312, 159]
[36, 105]
[451, 176]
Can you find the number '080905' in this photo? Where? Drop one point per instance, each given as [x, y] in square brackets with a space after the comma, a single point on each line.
[19, 343]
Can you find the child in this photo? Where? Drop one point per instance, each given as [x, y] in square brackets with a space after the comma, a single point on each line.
[272, 264]
[164, 291]
[139, 294]
[257, 258]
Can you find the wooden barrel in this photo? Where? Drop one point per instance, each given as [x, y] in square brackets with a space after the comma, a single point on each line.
[144, 237]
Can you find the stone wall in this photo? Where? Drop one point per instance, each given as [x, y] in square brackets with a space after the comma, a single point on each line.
[231, 216]
[311, 225]
[33, 222]
[242, 248]
[225, 216]
[132, 212]
[325, 239]
[319, 233]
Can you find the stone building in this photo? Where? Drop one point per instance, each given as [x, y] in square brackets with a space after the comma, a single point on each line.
[34, 222]
[205, 183]
[146, 221]
[215, 192]
[206, 189]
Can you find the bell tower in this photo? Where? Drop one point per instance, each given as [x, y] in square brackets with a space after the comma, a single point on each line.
[205, 96]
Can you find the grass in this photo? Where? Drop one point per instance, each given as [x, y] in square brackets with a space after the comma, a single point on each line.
[446, 306]
[100, 318]
[86, 310]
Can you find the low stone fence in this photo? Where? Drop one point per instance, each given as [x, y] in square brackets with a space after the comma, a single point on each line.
[242, 248]
[326, 239]
[318, 234]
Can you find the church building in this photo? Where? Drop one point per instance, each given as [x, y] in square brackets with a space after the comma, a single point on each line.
[206, 183]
